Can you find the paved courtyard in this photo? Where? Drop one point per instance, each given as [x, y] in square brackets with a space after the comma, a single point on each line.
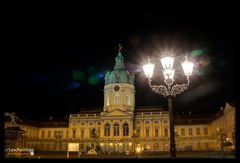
[160, 155]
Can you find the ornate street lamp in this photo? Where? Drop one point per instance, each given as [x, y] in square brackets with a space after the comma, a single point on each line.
[169, 91]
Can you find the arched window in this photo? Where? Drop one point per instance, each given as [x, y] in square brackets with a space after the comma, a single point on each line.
[116, 129]
[127, 100]
[125, 129]
[74, 133]
[117, 100]
[107, 130]
[107, 100]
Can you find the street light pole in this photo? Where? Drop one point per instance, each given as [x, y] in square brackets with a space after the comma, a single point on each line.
[169, 91]
[172, 135]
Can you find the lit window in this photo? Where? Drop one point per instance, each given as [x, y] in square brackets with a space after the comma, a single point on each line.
[147, 132]
[125, 129]
[117, 100]
[190, 131]
[183, 132]
[166, 132]
[107, 100]
[116, 130]
[74, 133]
[138, 132]
[82, 133]
[99, 131]
[67, 134]
[127, 100]
[156, 132]
[205, 131]
[49, 134]
[107, 130]
[198, 131]
[43, 134]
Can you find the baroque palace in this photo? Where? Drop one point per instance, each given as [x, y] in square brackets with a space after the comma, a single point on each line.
[120, 126]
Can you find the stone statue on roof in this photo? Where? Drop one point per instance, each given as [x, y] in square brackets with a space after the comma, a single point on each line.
[12, 116]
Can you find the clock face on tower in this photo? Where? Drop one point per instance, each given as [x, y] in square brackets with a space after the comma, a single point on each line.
[116, 88]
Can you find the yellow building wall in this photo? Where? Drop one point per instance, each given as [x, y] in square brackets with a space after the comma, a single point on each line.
[125, 90]
[142, 121]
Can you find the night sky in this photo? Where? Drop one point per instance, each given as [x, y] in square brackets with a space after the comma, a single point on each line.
[56, 63]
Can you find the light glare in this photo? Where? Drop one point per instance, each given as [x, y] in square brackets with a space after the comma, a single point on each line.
[187, 67]
[167, 62]
[148, 69]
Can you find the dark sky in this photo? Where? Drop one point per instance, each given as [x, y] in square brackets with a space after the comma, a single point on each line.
[56, 62]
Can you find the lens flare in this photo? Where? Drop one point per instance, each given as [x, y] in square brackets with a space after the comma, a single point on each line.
[93, 80]
[72, 85]
[198, 52]
[78, 75]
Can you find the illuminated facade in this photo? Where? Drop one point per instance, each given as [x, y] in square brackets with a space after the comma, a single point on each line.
[122, 127]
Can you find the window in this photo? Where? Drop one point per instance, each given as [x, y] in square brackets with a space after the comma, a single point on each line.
[74, 133]
[205, 131]
[166, 132]
[90, 132]
[157, 146]
[43, 134]
[156, 132]
[137, 122]
[183, 132]
[116, 129]
[99, 131]
[138, 132]
[125, 129]
[81, 146]
[190, 131]
[107, 130]
[198, 131]
[91, 123]
[107, 100]
[49, 134]
[156, 121]
[127, 100]
[147, 132]
[67, 134]
[82, 133]
[117, 101]
[82, 123]
[147, 122]
[165, 121]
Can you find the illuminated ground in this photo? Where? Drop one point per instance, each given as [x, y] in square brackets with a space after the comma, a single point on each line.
[134, 156]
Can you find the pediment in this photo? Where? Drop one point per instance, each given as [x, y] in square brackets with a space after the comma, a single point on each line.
[227, 108]
[116, 113]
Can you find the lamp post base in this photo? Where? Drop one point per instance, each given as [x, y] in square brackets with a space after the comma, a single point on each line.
[172, 151]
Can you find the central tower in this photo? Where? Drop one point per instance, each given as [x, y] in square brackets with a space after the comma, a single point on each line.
[119, 90]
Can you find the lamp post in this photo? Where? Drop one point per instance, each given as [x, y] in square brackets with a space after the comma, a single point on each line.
[221, 139]
[169, 91]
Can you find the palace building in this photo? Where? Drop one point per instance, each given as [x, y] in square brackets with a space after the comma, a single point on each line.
[120, 126]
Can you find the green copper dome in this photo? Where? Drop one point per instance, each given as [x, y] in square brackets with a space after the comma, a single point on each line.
[119, 74]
